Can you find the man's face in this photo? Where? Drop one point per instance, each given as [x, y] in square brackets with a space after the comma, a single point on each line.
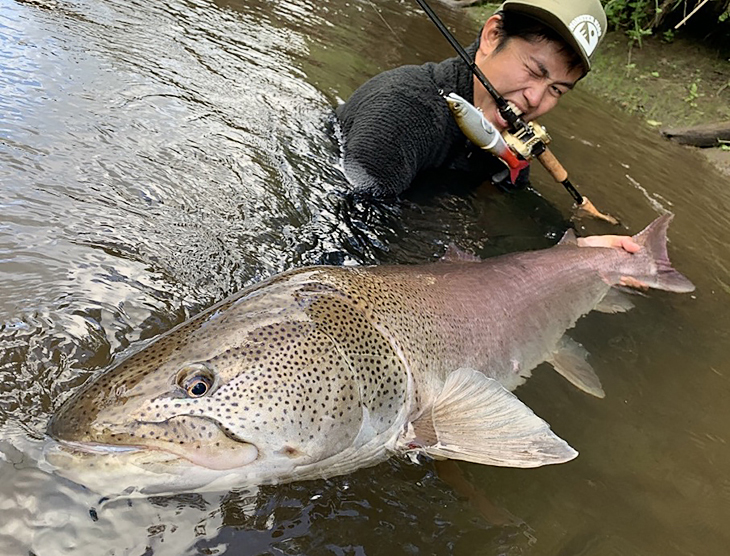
[531, 75]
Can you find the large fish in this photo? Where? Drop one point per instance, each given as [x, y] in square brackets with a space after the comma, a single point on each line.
[323, 370]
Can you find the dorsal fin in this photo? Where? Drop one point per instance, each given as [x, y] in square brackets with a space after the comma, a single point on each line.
[569, 238]
[455, 255]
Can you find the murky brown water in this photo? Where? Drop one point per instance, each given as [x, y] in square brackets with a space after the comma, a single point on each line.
[155, 157]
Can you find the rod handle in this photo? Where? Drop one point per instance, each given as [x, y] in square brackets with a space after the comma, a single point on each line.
[552, 165]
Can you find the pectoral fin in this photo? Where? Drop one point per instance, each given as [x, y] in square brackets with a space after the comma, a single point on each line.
[569, 359]
[614, 302]
[476, 419]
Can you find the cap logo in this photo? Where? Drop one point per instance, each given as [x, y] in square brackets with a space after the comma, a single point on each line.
[587, 31]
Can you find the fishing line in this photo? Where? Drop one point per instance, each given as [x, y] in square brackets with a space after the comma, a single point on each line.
[384, 21]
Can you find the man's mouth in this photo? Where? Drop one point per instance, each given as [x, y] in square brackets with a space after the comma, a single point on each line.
[516, 109]
[501, 123]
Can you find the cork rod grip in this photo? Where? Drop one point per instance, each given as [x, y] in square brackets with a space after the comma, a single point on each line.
[552, 165]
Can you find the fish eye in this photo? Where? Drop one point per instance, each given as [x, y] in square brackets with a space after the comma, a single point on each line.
[196, 380]
[198, 388]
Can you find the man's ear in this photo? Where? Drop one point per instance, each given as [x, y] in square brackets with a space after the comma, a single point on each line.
[490, 35]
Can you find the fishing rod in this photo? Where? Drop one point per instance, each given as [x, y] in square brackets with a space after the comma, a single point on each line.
[527, 139]
[515, 122]
[504, 108]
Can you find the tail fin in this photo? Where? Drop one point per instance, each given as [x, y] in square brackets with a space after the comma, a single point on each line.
[653, 239]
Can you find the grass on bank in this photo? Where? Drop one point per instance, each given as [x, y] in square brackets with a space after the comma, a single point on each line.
[669, 84]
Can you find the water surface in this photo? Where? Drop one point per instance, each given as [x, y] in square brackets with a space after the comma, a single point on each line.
[157, 157]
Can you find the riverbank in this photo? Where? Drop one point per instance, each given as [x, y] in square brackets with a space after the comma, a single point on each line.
[666, 84]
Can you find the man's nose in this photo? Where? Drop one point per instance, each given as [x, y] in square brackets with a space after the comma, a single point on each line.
[534, 95]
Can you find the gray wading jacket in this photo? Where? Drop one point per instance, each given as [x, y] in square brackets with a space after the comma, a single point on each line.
[396, 126]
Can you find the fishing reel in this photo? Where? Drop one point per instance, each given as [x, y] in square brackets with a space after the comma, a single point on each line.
[528, 141]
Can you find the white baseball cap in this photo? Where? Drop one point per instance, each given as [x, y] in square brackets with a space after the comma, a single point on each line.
[582, 23]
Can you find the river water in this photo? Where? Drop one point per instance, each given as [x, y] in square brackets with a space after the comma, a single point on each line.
[157, 157]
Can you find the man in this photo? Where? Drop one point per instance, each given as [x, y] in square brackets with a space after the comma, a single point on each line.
[397, 127]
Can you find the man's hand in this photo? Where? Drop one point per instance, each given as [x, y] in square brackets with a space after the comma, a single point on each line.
[618, 242]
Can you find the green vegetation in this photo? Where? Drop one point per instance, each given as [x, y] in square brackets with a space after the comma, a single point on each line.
[709, 19]
[668, 84]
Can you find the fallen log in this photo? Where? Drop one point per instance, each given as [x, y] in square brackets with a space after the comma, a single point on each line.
[706, 135]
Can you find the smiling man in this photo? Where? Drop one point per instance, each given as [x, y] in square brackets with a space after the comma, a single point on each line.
[397, 128]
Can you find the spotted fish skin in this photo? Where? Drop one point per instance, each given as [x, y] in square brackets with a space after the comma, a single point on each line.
[298, 371]
[323, 370]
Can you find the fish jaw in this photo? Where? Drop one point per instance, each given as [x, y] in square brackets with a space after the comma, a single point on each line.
[129, 469]
[112, 470]
[199, 440]
[114, 460]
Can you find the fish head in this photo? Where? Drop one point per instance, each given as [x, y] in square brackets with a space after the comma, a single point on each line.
[251, 390]
[168, 409]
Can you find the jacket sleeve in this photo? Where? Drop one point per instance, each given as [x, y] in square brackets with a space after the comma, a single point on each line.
[393, 127]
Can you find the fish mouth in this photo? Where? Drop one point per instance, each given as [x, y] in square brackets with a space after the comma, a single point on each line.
[90, 451]
[218, 461]
[95, 449]
[225, 452]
